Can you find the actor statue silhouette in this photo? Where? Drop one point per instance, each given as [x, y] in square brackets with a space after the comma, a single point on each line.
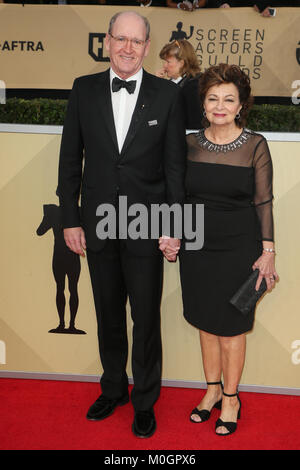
[179, 34]
[65, 263]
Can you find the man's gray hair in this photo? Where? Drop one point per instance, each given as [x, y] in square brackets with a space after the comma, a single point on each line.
[145, 20]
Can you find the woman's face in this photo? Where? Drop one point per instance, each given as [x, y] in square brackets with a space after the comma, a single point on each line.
[173, 66]
[222, 104]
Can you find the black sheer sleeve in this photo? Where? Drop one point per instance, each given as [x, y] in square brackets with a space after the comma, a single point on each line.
[263, 193]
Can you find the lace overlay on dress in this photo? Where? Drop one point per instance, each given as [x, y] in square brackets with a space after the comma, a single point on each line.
[249, 150]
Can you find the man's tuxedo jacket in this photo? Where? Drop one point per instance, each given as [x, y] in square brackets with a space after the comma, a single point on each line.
[149, 169]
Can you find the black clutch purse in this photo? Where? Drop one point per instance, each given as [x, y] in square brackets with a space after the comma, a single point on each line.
[246, 297]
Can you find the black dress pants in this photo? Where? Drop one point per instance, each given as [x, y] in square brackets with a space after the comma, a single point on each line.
[117, 274]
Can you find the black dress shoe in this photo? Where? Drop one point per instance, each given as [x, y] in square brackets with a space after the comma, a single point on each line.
[144, 424]
[104, 407]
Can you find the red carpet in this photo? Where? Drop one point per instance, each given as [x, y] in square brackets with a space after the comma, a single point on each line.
[43, 415]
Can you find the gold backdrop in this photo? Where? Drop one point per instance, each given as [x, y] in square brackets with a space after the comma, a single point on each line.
[27, 302]
[47, 46]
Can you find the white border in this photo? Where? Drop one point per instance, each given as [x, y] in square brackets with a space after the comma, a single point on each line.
[57, 130]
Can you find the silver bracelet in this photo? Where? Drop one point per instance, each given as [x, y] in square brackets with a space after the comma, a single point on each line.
[269, 250]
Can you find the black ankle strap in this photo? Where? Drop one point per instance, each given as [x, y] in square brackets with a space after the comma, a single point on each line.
[214, 383]
[232, 395]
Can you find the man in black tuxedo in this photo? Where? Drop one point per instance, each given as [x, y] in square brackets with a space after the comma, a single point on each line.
[133, 139]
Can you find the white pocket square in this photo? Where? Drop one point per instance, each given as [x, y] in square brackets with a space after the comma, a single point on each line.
[153, 123]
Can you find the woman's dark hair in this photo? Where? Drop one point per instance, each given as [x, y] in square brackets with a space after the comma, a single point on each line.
[224, 73]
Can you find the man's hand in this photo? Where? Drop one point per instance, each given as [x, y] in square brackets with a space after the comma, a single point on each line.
[185, 5]
[264, 13]
[169, 247]
[75, 240]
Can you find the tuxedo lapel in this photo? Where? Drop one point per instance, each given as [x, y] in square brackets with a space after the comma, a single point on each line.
[103, 100]
[145, 98]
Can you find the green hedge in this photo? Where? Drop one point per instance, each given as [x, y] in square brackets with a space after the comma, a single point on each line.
[36, 111]
[265, 117]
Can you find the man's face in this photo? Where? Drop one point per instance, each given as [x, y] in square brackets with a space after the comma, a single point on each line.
[127, 45]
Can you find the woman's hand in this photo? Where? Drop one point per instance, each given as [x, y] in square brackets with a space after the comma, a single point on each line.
[266, 266]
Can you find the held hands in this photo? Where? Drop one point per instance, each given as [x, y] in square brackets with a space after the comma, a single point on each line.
[266, 265]
[75, 240]
[169, 247]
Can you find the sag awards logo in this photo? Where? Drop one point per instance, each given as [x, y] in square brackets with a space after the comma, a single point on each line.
[240, 46]
[65, 265]
[243, 47]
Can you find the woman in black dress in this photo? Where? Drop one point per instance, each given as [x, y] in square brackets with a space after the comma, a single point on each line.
[229, 170]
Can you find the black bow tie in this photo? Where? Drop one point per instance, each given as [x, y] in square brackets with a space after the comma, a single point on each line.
[117, 84]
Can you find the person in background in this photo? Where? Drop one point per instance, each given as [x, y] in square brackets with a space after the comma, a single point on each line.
[152, 3]
[117, 2]
[260, 7]
[182, 5]
[230, 172]
[186, 5]
[180, 64]
[142, 3]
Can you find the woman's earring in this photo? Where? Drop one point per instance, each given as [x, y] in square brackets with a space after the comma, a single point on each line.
[238, 116]
[204, 113]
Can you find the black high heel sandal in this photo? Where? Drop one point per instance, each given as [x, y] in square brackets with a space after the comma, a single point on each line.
[205, 414]
[230, 426]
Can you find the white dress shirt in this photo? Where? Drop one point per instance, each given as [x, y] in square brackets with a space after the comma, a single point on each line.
[123, 105]
[176, 80]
